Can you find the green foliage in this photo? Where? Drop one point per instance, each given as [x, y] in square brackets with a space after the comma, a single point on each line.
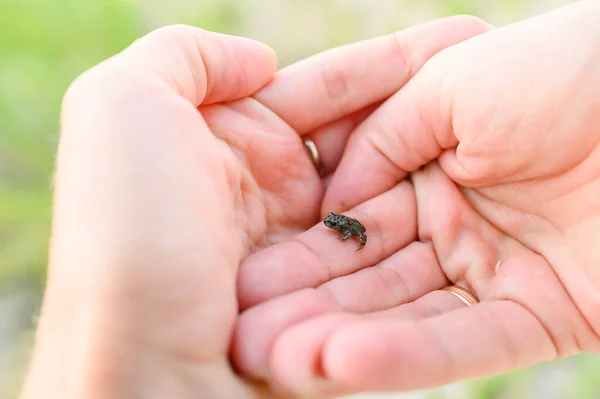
[509, 385]
[44, 46]
[587, 383]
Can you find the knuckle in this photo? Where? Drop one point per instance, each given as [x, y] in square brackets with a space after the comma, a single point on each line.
[336, 86]
[398, 148]
[477, 165]
[403, 55]
[382, 145]
[90, 81]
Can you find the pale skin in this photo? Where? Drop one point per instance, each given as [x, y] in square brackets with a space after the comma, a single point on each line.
[500, 134]
[154, 213]
[157, 204]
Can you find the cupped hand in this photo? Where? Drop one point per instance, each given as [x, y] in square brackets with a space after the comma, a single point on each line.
[498, 137]
[174, 165]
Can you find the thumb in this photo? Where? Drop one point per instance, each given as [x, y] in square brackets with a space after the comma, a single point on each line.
[201, 66]
[410, 129]
[511, 97]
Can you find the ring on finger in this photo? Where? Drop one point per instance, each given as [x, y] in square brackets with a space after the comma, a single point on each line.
[313, 151]
[464, 295]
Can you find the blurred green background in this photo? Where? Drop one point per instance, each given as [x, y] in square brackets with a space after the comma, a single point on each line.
[44, 45]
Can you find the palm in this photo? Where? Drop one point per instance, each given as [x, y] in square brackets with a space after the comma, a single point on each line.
[277, 189]
[305, 294]
[477, 234]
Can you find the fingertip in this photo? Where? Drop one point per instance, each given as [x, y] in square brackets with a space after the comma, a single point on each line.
[262, 56]
[364, 356]
[248, 352]
[247, 65]
[469, 172]
[269, 54]
[259, 328]
[471, 24]
[295, 362]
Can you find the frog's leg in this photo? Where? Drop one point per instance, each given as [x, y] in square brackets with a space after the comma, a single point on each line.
[346, 237]
[363, 241]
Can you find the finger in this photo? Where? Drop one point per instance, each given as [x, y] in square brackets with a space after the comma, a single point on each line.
[258, 326]
[421, 121]
[338, 82]
[201, 66]
[309, 337]
[312, 334]
[403, 355]
[401, 278]
[431, 304]
[467, 246]
[317, 256]
[391, 142]
[407, 131]
[331, 139]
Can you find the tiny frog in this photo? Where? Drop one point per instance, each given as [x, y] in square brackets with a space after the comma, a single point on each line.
[348, 226]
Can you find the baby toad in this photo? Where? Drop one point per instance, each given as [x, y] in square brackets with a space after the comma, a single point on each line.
[348, 226]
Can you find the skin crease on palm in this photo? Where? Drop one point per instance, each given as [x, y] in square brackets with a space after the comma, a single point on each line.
[181, 158]
[500, 137]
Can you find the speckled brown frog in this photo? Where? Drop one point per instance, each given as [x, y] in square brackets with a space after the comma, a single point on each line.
[347, 226]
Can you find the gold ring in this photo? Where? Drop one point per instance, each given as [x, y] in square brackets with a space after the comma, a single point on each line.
[462, 294]
[314, 154]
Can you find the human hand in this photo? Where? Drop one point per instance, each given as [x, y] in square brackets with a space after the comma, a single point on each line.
[171, 169]
[500, 136]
